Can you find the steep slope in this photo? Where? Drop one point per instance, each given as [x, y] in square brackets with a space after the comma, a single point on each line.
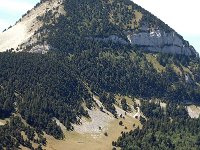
[24, 29]
[118, 21]
[54, 23]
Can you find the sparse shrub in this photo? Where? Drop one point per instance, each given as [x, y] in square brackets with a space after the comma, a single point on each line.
[106, 134]
[114, 143]
[121, 123]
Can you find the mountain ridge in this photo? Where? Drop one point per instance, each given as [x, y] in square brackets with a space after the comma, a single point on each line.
[24, 29]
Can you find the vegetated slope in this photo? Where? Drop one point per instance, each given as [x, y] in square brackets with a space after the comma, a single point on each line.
[41, 88]
[16, 135]
[169, 128]
[55, 85]
[132, 73]
[117, 21]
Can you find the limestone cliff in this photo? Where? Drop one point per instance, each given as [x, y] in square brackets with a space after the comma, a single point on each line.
[160, 41]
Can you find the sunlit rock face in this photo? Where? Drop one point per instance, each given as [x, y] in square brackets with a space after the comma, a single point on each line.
[160, 41]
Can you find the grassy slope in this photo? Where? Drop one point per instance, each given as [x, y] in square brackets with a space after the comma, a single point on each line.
[78, 141]
[96, 141]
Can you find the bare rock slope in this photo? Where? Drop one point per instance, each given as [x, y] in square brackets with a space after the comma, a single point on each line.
[23, 32]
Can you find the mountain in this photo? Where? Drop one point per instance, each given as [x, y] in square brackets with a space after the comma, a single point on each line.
[78, 74]
[119, 21]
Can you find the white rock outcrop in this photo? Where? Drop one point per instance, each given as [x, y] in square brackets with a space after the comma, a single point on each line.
[160, 41]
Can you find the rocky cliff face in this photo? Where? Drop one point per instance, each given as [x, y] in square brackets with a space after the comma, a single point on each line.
[160, 41]
[156, 41]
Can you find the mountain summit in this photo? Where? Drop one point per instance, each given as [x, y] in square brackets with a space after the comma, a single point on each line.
[78, 74]
[58, 24]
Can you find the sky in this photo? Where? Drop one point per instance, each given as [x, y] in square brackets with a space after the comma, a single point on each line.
[181, 15]
[12, 10]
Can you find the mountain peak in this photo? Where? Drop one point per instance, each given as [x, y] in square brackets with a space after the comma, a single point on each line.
[120, 21]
